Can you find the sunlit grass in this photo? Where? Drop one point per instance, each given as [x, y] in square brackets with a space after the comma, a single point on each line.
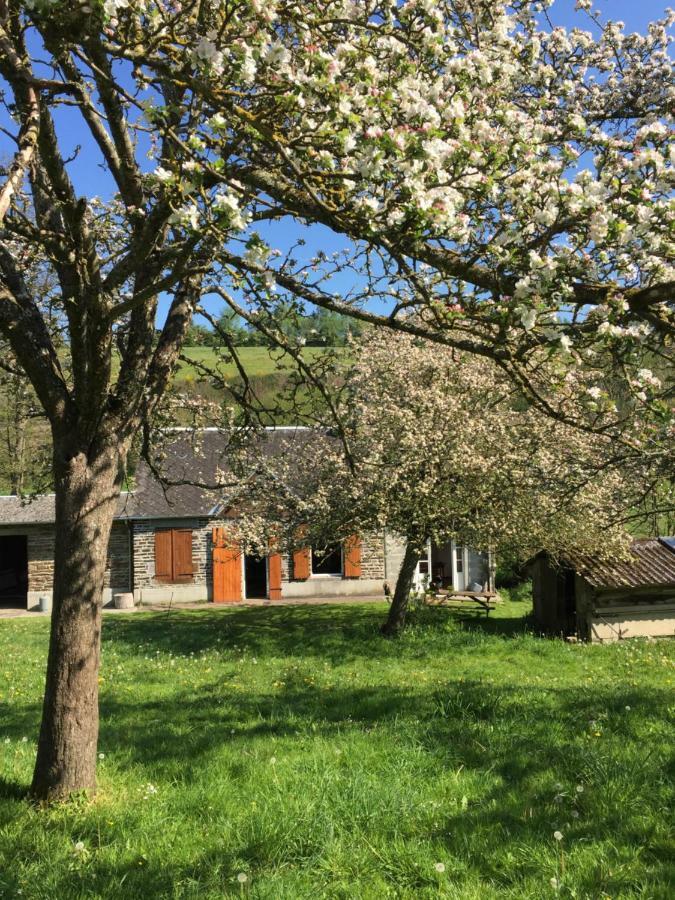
[299, 749]
[258, 361]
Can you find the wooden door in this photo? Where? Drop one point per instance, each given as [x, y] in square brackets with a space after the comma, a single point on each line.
[227, 563]
[274, 576]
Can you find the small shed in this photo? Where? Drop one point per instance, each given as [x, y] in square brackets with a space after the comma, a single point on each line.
[600, 600]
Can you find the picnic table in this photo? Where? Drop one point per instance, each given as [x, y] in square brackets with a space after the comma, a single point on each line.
[487, 600]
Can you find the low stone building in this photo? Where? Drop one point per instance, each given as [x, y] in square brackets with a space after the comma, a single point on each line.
[170, 543]
[596, 600]
[27, 552]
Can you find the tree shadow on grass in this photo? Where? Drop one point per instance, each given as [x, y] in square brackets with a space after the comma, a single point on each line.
[473, 619]
[513, 742]
[330, 632]
[12, 790]
[335, 633]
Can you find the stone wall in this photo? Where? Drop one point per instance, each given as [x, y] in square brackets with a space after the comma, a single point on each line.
[148, 590]
[369, 584]
[372, 556]
[144, 550]
[40, 546]
[40, 559]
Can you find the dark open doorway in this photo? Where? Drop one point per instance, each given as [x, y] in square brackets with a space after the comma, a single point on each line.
[255, 574]
[570, 602]
[14, 570]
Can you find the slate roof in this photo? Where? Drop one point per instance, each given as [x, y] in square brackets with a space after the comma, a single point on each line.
[191, 467]
[652, 564]
[17, 511]
[189, 473]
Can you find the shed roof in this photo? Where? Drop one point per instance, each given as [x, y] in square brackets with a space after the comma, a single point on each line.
[651, 564]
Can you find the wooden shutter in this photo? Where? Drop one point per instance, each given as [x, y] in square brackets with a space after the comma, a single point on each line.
[352, 557]
[163, 568]
[301, 558]
[182, 555]
[301, 564]
[226, 568]
[274, 576]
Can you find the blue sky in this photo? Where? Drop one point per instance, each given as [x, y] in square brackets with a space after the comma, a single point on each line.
[90, 179]
[635, 13]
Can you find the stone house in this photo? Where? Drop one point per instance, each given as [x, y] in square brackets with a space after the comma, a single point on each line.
[597, 600]
[170, 542]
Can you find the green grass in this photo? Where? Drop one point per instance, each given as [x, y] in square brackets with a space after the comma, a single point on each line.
[298, 747]
[258, 362]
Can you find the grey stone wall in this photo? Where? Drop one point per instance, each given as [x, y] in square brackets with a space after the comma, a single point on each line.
[372, 556]
[144, 550]
[40, 547]
[147, 588]
[40, 558]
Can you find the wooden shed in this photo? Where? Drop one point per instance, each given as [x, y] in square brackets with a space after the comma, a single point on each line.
[597, 600]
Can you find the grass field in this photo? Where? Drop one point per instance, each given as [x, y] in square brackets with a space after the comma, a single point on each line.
[297, 749]
[258, 361]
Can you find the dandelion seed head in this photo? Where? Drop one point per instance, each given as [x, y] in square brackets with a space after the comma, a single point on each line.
[440, 867]
[558, 835]
[242, 878]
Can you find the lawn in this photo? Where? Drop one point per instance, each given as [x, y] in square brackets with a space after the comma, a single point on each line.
[296, 748]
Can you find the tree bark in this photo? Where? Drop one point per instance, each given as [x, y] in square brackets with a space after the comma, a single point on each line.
[87, 487]
[399, 604]
[17, 441]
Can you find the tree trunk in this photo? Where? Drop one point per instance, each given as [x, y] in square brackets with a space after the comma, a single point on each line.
[86, 494]
[399, 604]
[18, 450]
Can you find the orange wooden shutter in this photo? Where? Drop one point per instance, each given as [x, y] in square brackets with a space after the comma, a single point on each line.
[301, 564]
[182, 555]
[352, 557]
[301, 558]
[226, 568]
[274, 576]
[163, 555]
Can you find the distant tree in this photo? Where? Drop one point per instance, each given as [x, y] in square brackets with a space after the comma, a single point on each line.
[198, 336]
[326, 328]
[17, 405]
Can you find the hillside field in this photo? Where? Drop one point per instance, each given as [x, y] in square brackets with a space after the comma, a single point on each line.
[258, 361]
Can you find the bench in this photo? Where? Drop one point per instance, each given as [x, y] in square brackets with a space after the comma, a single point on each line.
[486, 600]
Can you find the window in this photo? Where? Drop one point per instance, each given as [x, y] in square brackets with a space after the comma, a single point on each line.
[327, 560]
[173, 555]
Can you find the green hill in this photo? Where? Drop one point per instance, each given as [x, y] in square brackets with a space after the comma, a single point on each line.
[258, 362]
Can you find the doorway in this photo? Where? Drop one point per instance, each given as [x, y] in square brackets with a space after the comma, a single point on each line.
[14, 570]
[569, 602]
[255, 577]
